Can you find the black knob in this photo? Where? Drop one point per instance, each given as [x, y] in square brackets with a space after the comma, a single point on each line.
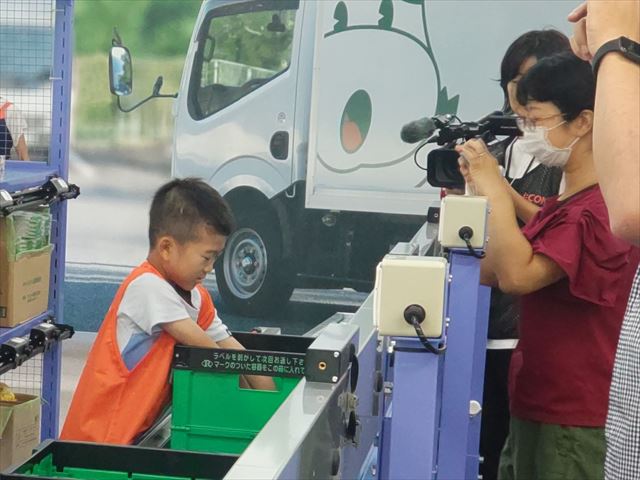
[414, 312]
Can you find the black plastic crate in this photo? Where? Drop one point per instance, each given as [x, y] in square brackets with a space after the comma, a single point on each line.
[92, 461]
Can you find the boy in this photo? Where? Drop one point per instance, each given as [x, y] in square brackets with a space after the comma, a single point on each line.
[124, 385]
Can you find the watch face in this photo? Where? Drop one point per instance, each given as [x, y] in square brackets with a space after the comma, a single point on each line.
[630, 46]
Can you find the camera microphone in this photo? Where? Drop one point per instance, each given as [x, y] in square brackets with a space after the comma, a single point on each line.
[418, 130]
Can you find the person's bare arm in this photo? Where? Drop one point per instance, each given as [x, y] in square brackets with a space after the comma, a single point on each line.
[616, 144]
[487, 274]
[616, 137]
[254, 381]
[187, 332]
[517, 269]
[525, 210]
[22, 149]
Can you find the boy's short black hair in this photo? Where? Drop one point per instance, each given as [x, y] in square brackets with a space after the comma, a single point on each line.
[536, 43]
[181, 206]
[562, 79]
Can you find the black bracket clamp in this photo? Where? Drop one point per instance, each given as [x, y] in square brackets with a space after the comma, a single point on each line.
[53, 190]
[17, 350]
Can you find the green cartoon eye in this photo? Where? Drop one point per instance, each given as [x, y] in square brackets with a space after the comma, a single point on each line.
[356, 120]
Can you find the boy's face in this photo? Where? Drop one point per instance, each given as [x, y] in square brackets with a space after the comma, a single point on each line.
[188, 264]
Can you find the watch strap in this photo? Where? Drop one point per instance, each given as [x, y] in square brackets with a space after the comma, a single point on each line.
[622, 45]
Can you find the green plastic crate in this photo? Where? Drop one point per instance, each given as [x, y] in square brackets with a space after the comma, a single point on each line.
[211, 413]
[90, 461]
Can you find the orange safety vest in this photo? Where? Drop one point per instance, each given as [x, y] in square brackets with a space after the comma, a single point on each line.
[6, 140]
[3, 110]
[112, 404]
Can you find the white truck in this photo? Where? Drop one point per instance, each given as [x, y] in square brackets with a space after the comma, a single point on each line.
[292, 110]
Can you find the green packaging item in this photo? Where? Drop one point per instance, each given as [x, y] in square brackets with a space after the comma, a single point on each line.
[211, 413]
[27, 232]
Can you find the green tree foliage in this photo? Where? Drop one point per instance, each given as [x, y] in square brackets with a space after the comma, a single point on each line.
[249, 38]
[147, 27]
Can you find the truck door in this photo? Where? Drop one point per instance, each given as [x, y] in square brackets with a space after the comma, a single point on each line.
[234, 126]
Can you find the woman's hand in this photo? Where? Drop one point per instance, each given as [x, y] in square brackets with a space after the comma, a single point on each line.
[479, 168]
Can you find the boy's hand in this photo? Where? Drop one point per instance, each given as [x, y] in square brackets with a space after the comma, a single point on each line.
[253, 381]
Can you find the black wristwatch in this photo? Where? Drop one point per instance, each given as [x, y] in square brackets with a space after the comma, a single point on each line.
[622, 45]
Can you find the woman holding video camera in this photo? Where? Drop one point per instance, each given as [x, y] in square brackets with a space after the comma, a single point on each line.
[530, 184]
[572, 273]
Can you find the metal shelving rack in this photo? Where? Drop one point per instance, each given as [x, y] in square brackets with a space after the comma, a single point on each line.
[20, 175]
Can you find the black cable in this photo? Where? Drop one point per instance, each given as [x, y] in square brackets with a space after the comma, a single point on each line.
[415, 156]
[414, 315]
[466, 233]
[423, 339]
[472, 252]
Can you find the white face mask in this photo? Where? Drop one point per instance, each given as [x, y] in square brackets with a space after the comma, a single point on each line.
[536, 142]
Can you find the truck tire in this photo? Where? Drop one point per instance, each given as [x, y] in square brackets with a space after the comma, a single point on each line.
[253, 277]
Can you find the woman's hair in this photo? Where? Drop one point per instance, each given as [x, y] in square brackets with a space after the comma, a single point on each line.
[536, 43]
[562, 79]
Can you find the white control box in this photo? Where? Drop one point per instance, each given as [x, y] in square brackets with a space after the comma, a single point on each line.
[407, 280]
[457, 212]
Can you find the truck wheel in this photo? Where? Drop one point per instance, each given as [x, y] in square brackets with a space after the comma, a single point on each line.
[253, 278]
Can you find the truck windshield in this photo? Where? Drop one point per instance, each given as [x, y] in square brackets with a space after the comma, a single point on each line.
[237, 54]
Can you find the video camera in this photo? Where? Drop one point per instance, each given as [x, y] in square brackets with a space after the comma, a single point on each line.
[442, 163]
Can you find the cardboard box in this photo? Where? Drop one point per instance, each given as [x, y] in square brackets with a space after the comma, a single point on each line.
[19, 429]
[24, 282]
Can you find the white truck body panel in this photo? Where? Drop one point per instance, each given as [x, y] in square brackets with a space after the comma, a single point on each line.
[230, 147]
[396, 65]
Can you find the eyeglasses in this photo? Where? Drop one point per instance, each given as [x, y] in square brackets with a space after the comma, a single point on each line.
[529, 124]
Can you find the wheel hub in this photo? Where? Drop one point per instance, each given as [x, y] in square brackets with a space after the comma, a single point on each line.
[245, 265]
[248, 264]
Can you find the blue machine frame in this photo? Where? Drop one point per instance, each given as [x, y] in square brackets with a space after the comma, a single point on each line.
[418, 413]
[430, 428]
[20, 175]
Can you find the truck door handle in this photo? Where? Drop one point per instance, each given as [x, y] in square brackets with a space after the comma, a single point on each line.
[279, 145]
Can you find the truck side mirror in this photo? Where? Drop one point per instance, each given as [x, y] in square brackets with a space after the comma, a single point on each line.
[121, 75]
[120, 71]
